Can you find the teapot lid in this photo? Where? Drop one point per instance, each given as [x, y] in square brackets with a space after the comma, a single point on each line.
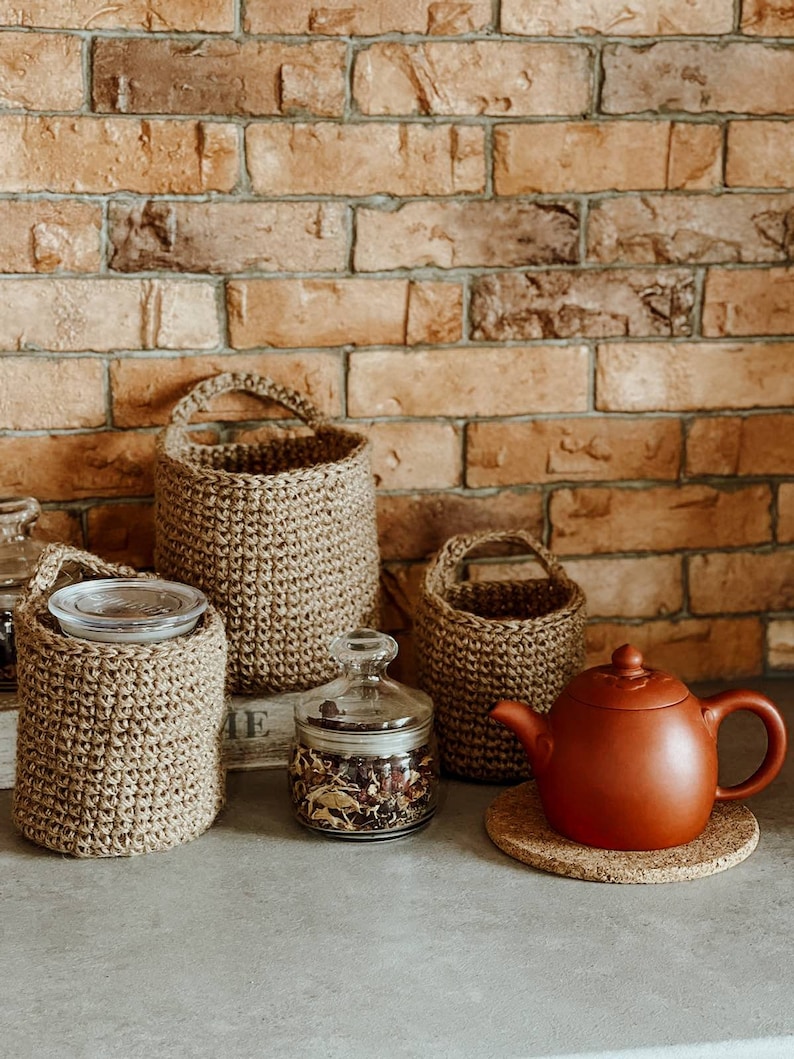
[626, 684]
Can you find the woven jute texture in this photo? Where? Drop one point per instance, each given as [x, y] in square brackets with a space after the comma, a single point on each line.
[118, 745]
[280, 534]
[481, 641]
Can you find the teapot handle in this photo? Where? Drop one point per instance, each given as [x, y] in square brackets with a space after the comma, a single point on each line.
[718, 707]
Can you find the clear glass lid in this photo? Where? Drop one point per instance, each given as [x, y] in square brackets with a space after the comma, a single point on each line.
[127, 608]
[363, 699]
[18, 553]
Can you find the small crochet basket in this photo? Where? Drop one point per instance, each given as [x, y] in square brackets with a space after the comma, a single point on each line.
[280, 534]
[118, 745]
[481, 641]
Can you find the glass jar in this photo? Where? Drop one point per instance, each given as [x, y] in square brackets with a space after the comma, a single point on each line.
[364, 763]
[18, 556]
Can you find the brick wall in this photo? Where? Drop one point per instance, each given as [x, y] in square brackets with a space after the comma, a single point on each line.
[540, 251]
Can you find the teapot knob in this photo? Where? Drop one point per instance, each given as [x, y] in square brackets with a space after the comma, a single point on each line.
[627, 660]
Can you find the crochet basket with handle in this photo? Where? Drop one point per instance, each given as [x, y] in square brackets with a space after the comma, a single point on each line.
[280, 535]
[119, 744]
[481, 641]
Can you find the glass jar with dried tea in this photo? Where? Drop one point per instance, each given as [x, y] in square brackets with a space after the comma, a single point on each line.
[364, 763]
[18, 556]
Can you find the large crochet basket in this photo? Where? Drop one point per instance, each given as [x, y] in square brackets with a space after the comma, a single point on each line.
[481, 641]
[280, 534]
[118, 745]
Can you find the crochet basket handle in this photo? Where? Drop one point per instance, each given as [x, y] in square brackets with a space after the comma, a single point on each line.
[442, 574]
[198, 399]
[55, 557]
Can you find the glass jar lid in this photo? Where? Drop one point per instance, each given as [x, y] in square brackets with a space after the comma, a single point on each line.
[363, 708]
[127, 610]
[18, 552]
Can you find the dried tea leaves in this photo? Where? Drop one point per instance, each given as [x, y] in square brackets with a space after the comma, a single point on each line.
[349, 794]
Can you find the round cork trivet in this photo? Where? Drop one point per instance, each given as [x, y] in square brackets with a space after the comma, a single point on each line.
[515, 822]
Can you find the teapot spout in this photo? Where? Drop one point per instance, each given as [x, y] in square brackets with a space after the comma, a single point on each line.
[532, 728]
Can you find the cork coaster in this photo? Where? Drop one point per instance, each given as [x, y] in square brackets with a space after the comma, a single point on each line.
[516, 824]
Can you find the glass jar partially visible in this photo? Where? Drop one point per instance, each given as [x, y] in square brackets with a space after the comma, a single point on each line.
[364, 763]
[18, 556]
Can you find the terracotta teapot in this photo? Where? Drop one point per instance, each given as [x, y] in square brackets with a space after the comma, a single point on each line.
[627, 756]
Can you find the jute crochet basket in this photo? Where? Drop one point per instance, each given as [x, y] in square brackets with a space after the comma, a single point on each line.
[478, 642]
[118, 745]
[280, 534]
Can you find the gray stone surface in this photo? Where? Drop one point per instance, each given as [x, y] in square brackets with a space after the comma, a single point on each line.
[260, 939]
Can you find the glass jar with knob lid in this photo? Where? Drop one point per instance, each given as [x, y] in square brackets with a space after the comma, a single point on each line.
[18, 556]
[364, 763]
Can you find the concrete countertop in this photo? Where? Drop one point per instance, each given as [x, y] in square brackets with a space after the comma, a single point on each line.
[261, 939]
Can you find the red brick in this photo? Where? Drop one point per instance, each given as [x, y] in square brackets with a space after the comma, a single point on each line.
[593, 448]
[660, 518]
[749, 445]
[365, 159]
[404, 667]
[321, 312]
[695, 157]
[698, 77]
[780, 640]
[44, 236]
[463, 234]
[751, 301]
[581, 156]
[228, 236]
[760, 154]
[768, 18]
[400, 587]
[450, 382]
[68, 393]
[446, 17]
[614, 17]
[785, 513]
[200, 16]
[713, 446]
[415, 525]
[435, 313]
[77, 466]
[661, 376]
[123, 533]
[41, 71]
[217, 76]
[650, 586]
[600, 156]
[415, 455]
[694, 649]
[146, 389]
[738, 582]
[89, 154]
[59, 527]
[674, 229]
[476, 77]
[576, 304]
[105, 314]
